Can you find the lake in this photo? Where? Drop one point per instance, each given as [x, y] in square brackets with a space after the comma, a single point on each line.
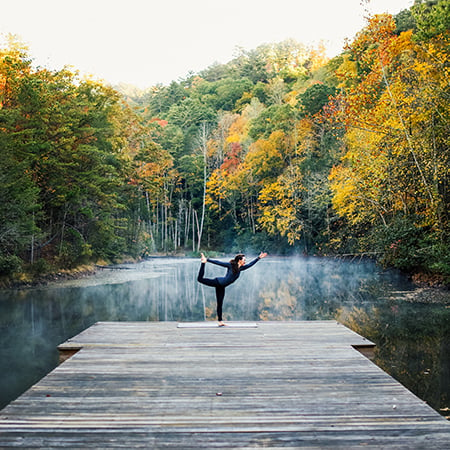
[410, 326]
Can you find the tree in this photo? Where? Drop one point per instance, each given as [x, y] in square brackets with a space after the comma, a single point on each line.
[396, 162]
[280, 204]
[69, 143]
[432, 18]
[20, 207]
[161, 98]
[315, 98]
[203, 137]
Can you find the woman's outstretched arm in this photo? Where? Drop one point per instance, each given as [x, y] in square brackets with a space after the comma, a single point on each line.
[218, 263]
[253, 262]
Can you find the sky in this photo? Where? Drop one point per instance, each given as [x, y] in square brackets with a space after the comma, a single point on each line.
[150, 42]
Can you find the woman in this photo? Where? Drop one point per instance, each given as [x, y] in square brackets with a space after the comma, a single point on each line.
[234, 268]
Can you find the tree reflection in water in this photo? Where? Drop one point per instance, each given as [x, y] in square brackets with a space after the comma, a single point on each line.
[413, 339]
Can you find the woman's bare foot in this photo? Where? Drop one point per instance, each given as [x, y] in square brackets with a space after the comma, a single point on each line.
[203, 258]
[222, 324]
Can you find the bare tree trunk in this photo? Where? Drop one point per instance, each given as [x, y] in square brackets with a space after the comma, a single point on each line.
[187, 223]
[162, 227]
[149, 224]
[198, 231]
[203, 140]
[63, 229]
[165, 228]
[193, 230]
[157, 223]
[32, 244]
[175, 232]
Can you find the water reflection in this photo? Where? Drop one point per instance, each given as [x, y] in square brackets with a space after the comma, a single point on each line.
[412, 338]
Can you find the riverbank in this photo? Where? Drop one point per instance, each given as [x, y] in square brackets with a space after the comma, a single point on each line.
[429, 295]
[425, 280]
[33, 279]
[26, 280]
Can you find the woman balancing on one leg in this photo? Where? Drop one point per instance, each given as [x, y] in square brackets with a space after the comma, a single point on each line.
[234, 268]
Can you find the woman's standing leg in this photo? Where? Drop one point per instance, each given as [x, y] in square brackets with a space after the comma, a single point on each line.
[220, 294]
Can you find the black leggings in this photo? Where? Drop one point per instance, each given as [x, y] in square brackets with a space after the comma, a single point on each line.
[213, 282]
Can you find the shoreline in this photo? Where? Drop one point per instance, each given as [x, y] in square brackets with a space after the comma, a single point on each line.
[27, 281]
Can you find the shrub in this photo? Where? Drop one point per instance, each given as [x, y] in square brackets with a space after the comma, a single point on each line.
[10, 264]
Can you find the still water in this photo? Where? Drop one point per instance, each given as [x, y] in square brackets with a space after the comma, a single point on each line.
[411, 330]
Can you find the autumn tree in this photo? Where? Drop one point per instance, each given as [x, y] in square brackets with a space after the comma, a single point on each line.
[68, 146]
[395, 170]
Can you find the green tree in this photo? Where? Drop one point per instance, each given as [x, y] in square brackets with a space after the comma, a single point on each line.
[20, 207]
[275, 117]
[432, 17]
[315, 98]
[160, 98]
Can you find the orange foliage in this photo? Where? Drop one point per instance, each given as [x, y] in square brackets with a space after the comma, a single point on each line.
[161, 122]
[231, 160]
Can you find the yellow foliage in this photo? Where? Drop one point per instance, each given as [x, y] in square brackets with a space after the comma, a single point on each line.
[216, 191]
[238, 129]
[265, 158]
[291, 98]
[359, 183]
[280, 203]
[318, 56]
[347, 72]
[394, 103]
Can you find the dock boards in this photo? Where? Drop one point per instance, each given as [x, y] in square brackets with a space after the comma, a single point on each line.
[216, 325]
[281, 384]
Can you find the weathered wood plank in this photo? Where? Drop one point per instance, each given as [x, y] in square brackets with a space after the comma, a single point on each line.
[216, 325]
[276, 384]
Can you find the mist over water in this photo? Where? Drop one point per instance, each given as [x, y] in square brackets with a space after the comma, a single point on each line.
[412, 337]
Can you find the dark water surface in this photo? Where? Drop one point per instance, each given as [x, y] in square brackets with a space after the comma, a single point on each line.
[412, 331]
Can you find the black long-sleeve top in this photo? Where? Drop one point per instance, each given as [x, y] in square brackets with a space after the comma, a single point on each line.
[230, 276]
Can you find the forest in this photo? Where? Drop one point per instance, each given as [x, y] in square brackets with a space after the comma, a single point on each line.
[281, 149]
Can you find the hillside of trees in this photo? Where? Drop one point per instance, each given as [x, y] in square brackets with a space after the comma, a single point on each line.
[279, 149]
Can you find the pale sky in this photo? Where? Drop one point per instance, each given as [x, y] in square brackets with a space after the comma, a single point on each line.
[146, 42]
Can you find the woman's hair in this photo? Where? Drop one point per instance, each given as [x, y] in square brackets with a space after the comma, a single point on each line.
[234, 263]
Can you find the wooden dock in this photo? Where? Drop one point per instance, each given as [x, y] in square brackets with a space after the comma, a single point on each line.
[264, 384]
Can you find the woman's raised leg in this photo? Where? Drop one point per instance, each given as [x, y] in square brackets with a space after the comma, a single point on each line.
[201, 277]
